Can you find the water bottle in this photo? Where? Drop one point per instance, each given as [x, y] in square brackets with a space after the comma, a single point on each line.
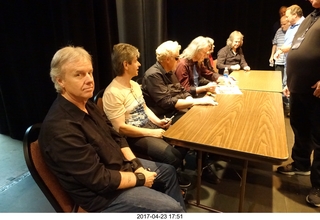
[226, 76]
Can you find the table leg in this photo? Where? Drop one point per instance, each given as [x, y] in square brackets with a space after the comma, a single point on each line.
[199, 174]
[243, 185]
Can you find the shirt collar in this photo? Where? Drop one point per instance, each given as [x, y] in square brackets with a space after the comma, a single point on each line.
[298, 23]
[71, 108]
[162, 70]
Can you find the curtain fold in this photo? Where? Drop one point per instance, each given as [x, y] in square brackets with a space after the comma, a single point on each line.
[143, 24]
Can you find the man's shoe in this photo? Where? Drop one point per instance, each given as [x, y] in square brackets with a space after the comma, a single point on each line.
[314, 197]
[183, 181]
[209, 175]
[290, 169]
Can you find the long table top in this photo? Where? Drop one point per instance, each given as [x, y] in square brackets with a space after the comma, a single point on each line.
[258, 80]
[250, 126]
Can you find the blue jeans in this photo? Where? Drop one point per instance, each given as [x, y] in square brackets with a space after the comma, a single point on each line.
[157, 149]
[282, 68]
[164, 196]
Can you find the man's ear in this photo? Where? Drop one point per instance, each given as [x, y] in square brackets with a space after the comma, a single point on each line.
[60, 81]
[125, 64]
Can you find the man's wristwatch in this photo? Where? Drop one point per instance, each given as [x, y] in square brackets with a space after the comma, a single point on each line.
[141, 179]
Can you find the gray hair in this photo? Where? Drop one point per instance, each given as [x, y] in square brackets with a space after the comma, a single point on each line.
[123, 52]
[232, 36]
[167, 49]
[196, 45]
[65, 55]
[210, 43]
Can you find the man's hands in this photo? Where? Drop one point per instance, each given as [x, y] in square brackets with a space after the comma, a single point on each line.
[211, 87]
[165, 123]
[316, 92]
[157, 132]
[235, 67]
[206, 100]
[246, 68]
[277, 54]
[149, 176]
[286, 91]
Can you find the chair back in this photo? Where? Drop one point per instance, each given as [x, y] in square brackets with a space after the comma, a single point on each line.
[45, 179]
[98, 99]
[214, 65]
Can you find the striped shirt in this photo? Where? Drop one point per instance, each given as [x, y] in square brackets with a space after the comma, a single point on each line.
[278, 40]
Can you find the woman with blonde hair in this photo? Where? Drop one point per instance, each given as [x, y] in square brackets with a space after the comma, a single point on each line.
[231, 56]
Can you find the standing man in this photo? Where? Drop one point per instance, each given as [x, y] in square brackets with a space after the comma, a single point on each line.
[277, 24]
[92, 161]
[304, 89]
[277, 43]
[164, 94]
[279, 64]
[294, 16]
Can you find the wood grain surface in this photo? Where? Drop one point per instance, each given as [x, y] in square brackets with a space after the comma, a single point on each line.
[249, 126]
[258, 80]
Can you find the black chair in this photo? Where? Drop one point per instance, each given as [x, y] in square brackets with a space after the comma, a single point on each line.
[98, 99]
[45, 179]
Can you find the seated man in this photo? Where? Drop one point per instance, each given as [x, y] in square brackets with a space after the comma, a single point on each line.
[164, 94]
[189, 70]
[91, 160]
[125, 107]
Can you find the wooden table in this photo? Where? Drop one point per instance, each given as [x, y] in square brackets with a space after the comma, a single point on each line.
[250, 127]
[258, 80]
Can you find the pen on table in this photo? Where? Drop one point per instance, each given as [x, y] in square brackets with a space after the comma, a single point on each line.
[171, 118]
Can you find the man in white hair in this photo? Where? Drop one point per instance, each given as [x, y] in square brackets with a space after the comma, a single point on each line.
[163, 92]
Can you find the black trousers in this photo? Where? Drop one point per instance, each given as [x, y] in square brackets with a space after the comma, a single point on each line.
[305, 122]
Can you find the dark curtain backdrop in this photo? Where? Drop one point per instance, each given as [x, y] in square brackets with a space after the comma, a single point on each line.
[32, 31]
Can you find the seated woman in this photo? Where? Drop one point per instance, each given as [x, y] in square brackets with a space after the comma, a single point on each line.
[125, 107]
[188, 70]
[208, 67]
[231, 56]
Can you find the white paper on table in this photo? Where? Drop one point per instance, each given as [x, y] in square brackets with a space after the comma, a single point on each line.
[231, 89]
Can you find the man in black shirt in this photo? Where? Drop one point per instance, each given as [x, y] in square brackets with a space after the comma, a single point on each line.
[303, 86]
[92, 161]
